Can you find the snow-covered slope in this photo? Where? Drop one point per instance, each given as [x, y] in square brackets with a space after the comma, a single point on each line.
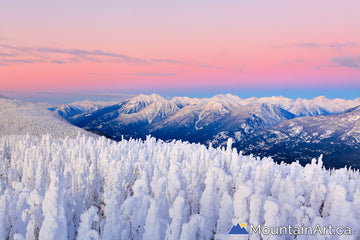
[69, 111]
[337, 136]
[18, 118]
[87, 188]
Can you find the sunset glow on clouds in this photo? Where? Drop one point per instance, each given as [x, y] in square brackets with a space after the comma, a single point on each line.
[117, 45]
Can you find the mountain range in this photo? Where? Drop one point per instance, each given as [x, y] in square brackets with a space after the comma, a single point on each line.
[280, 127]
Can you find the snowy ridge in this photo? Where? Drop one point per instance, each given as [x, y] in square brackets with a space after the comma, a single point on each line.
[88, 188]
[156, 105]
[19, 118]
[299, 107]
[81, 107]
[308, 107]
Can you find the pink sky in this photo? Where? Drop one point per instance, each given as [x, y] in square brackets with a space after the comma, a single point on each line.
[113, 45]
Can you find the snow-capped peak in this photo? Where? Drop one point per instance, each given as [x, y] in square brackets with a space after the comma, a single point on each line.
[147, 99]
[227, 100]
[276, 100]
[184, 101]
[320, 99]
[146, 107]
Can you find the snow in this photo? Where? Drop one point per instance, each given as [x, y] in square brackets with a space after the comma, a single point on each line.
[209, 113]
[185, 101]
[150, 108]
[300, 107]
[212, 120]
[88, 105]
[326, 134]
[54, 224]
[353, 118]
[86, 219]
[296, 130]
[146, 108]
[308, 107]
[96, 188]
[20, 118]
[80, 107]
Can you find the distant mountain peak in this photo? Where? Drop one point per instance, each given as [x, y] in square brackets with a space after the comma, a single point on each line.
[320, 99]
[147, 98]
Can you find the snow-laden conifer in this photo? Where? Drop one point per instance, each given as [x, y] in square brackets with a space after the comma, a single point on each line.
[54, 224]
[84, 187]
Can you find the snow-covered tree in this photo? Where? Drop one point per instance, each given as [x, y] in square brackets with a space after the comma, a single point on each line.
[95, 188]
[271, 208]
[134, 210]
[241, 205]
[226, 213]
[209, 206]
[85, 232]
[158, 215]
[190, 230]
[54, 224]
[4, 226]
[34, 214]
[178, 214]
